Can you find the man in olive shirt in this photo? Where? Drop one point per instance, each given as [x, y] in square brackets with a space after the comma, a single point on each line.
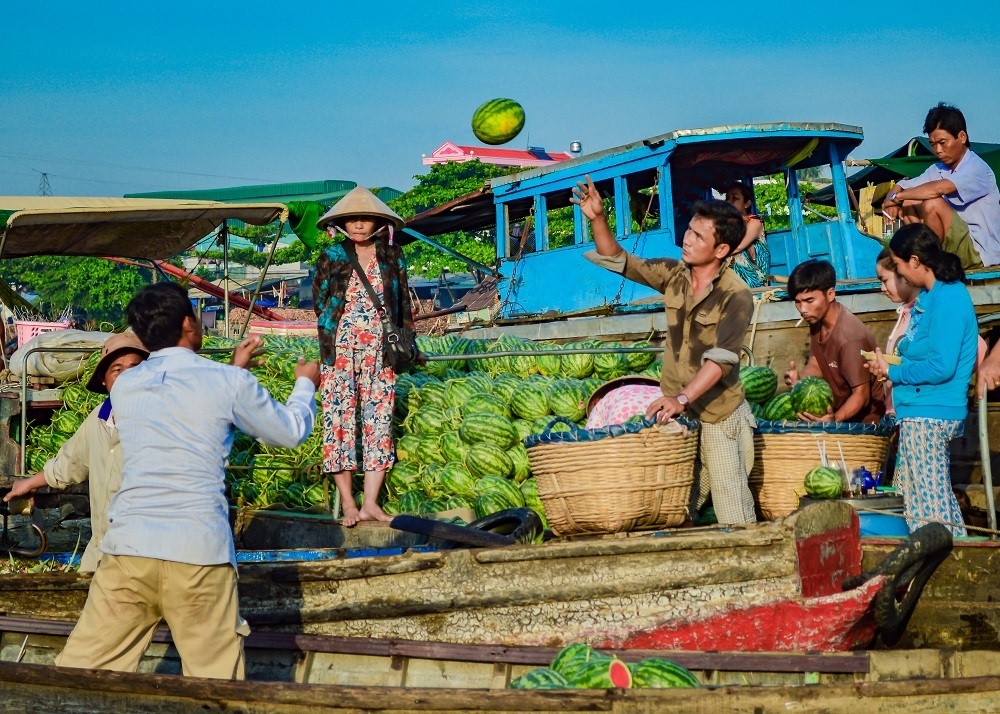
[708, 313]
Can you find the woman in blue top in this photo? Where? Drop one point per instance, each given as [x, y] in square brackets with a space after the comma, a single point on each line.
[931, 384]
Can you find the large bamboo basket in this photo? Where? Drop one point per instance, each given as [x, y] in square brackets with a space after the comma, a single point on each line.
[619, 483]
[782, 461]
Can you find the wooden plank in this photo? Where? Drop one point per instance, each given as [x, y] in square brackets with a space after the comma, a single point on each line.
[332, 571]
[496, 654]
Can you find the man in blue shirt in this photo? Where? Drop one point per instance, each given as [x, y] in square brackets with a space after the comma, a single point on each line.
[168, 550]
[957, 197]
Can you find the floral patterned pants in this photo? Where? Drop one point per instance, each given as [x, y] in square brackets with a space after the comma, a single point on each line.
[357, 376]
[923, 472]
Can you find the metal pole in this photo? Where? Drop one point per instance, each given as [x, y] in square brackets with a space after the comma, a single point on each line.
[225, 270]
[260, 279]
[984, 456]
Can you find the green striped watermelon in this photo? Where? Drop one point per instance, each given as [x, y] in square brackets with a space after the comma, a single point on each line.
[522, 427]
[433, 394]
[522, 466]
[541, 678]
[610, 366]
[498, 121]
[759, 383]
[430, 480]
[410, 501]
[529, 489]
[602, 674]
[485, 403]
[433, 505]
[481, 381]
[571, 657]
[428, 420]
[506, 488]
[812, 395]
[780, 408]
[549, 364]
[458, 391]
[568, 398]
[659, 673]
[406, 447]
[490, 428]
[459, 501]
[489, 503]
[429, 450]
[477, 347]
[485, 459]
[504, 386]
[456, 480]
[824, 482]
[403, 477]
[530, 401]
[757, 410]
[452, 447]
[577, 366]
[638, 361]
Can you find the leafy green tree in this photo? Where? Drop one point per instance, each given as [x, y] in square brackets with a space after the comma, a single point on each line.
[96, 288]
[772, 203]
[445, 182]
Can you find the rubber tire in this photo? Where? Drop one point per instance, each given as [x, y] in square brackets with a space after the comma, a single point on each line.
[909, 566]
[522, 524]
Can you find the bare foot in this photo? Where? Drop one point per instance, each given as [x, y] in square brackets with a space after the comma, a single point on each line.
[373, 513]
[351, 516]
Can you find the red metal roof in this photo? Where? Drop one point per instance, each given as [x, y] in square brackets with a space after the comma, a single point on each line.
[450, 151]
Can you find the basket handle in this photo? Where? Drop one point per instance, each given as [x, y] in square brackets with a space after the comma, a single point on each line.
[547, 432]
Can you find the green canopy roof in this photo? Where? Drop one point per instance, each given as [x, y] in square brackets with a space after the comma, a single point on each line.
[909, 160]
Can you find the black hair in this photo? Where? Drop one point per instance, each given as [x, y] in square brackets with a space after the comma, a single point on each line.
[811, 275]
[885, 259]
[730, 228]
[916, 239]
[157, 313]
[946, 117]
[744, 190]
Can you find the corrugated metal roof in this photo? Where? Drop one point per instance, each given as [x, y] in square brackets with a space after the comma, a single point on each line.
[322, 191]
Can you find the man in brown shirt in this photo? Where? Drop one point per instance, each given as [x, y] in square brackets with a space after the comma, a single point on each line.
[837, 337]
[708, 313]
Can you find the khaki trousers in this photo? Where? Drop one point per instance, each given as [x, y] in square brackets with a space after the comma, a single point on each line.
[131, 595]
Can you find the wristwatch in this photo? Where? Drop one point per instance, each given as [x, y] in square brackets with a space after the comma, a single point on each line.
[682, 399]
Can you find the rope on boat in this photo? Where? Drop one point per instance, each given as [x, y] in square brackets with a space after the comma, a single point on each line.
[918, 519]
[758, 303]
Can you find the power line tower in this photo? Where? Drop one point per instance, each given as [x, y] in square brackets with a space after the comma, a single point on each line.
[43, 185]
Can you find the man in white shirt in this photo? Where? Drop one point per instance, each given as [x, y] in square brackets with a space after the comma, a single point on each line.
[957, 197]
[168, 551]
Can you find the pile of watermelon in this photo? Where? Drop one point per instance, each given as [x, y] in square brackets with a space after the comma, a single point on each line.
[459, 424]
[759, 386]
[579, 666]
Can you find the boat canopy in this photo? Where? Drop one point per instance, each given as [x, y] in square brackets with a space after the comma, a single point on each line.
[154, 229]
[650, 187]
[909, 160]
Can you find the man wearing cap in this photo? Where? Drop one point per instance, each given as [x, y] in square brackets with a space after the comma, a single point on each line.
[168, 553]
[708, 314]
[93, 453]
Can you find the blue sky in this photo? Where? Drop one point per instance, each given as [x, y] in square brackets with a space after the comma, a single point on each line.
[110, 98]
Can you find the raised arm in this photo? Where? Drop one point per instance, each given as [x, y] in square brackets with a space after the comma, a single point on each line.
[588, 198]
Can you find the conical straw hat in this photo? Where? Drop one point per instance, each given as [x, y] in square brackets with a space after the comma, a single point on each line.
[359, 201]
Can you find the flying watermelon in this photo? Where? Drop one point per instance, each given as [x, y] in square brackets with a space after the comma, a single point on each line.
[498, 121]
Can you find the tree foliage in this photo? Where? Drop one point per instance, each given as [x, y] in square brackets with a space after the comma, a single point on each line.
[443, 183]
[95, 288]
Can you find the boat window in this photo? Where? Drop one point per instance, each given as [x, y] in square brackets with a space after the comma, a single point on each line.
[644, 203]
[772, 200]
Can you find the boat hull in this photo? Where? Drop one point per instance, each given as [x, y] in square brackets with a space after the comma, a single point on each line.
[681, 589]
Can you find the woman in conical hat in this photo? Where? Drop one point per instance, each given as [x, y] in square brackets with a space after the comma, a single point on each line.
[355, 375]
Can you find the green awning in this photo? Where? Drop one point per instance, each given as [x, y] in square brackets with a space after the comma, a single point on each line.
[120, 227]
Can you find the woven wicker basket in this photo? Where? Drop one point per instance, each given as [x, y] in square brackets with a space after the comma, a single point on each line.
[782, 461]
[610, 485]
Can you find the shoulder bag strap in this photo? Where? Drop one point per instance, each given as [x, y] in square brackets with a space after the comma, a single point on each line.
[386, 319]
